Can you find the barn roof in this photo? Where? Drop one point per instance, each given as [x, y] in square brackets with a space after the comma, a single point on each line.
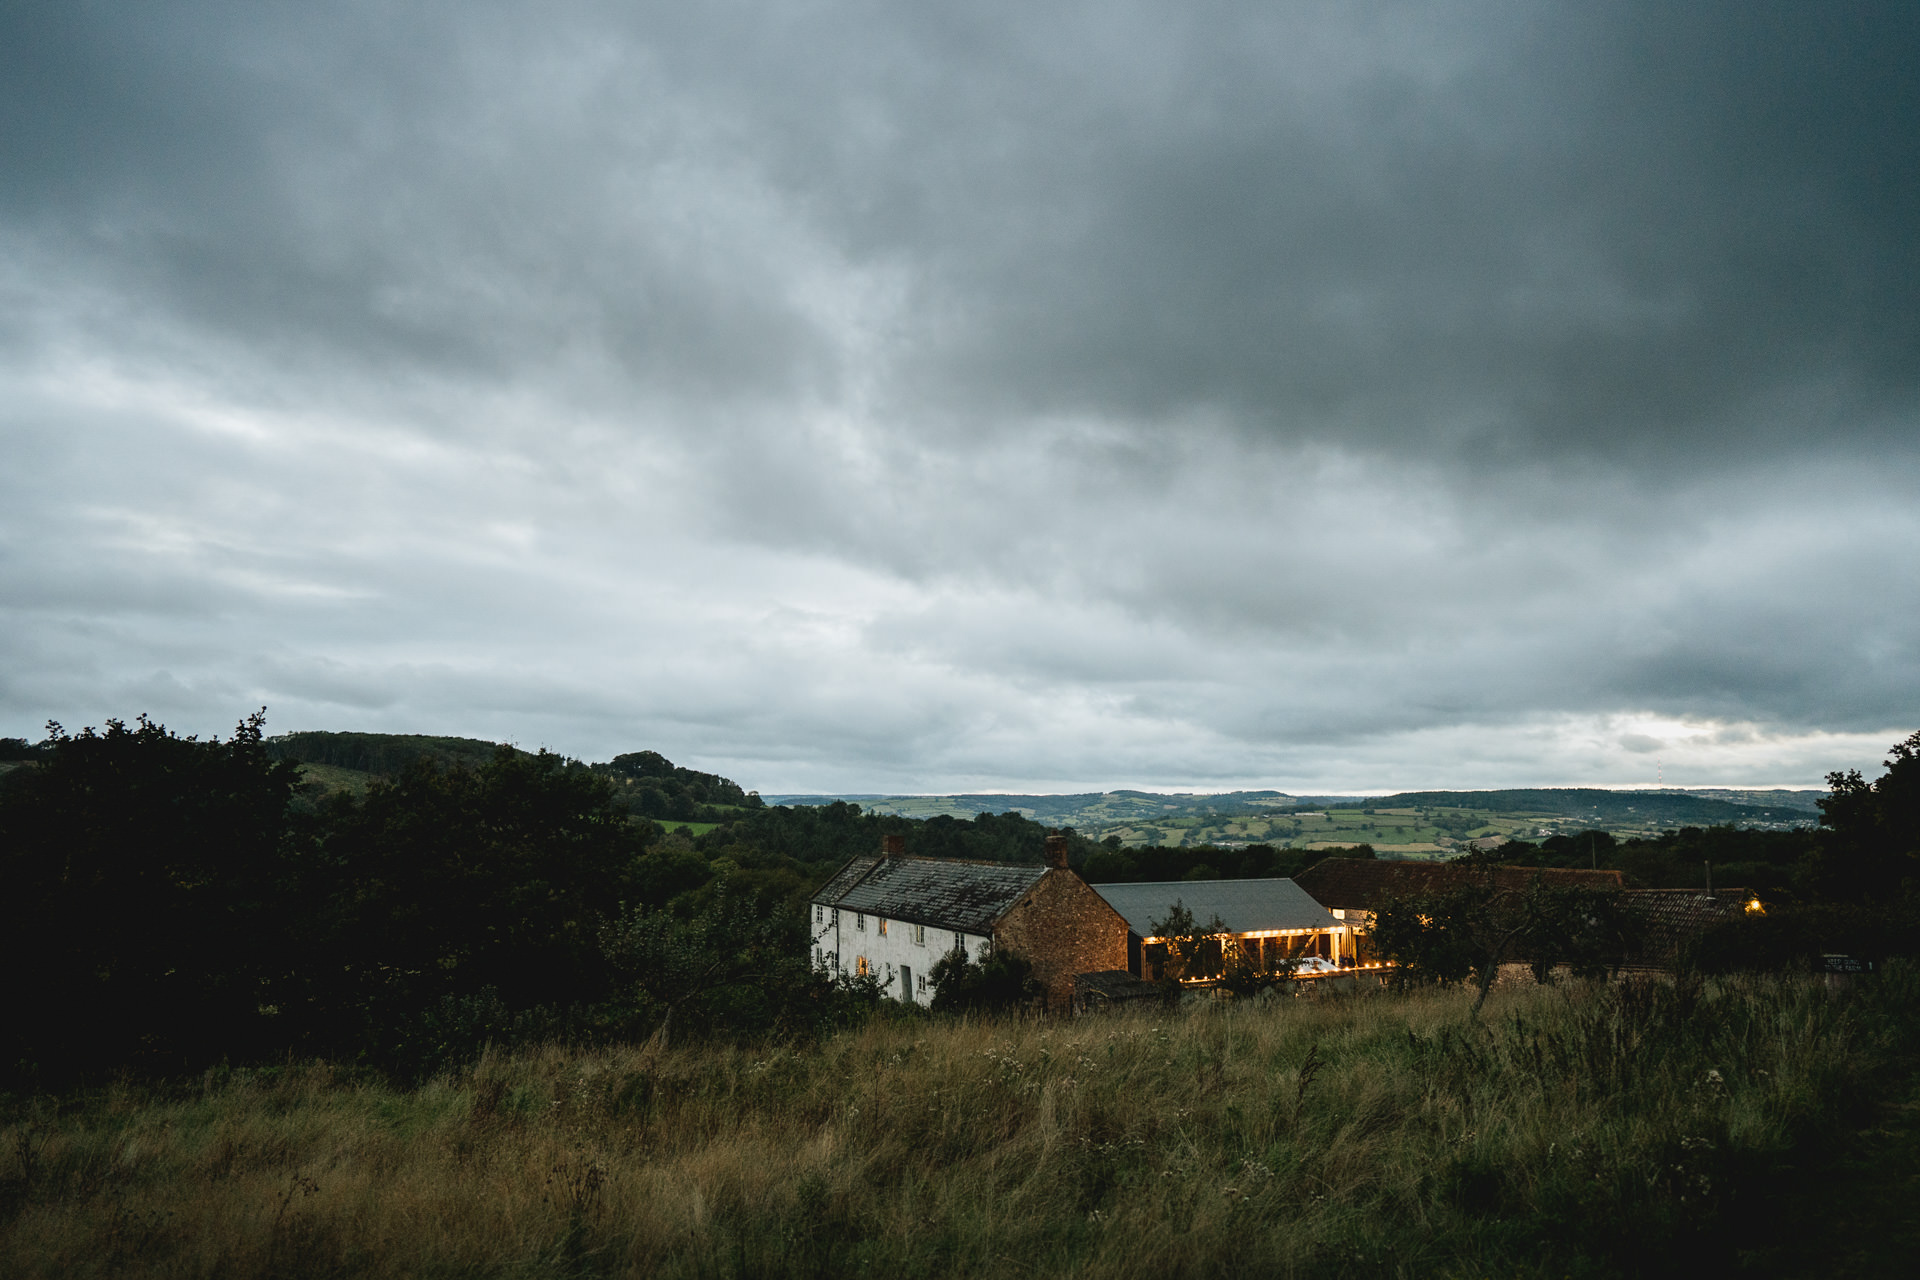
[1244, 906]
[1359, 884]
[967, 896]
[1669, 919]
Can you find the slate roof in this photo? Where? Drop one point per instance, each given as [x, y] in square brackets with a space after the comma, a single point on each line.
[844, 879]
[1244, 906]
[967, 896]
[1359, 884]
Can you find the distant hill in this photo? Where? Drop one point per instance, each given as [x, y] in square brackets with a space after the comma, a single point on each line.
[1086, 809]
[645, 782]
[1418, 824]
[1775, 799]
[1662, 808]
[1410, 823]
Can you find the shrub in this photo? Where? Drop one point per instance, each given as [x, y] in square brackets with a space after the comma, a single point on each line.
[1003, 981]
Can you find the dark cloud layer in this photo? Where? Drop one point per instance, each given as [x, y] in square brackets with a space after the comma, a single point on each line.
[914, 396]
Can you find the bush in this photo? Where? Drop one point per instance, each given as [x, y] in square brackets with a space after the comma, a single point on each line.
[148, 879]
[1794, 937]
[1003, 981]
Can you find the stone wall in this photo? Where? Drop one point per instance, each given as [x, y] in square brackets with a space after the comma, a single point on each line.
[1062, 927]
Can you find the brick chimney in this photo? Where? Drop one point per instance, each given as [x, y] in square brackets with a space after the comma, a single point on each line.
[893, 846]
[1057, 851]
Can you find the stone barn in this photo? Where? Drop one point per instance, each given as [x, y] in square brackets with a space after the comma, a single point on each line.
[1271, 921]
[894, 916]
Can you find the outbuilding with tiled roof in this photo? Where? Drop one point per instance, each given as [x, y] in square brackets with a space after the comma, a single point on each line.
[1666, 920]
[1271, 920]
[1351, 888]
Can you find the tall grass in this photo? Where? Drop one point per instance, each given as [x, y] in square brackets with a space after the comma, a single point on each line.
[1588, 1130]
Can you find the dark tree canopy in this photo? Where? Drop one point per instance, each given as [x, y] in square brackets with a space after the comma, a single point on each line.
[147, 881]
[1870, 843]
[1471, 928]
[447, 882]
[174, 903]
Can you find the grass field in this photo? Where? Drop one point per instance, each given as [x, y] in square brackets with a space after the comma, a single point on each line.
[1407, 832]
[1583, 1131]
[1437, 826]
[333, 778]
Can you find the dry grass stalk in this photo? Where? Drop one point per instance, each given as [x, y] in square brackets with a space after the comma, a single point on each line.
[1408, 1141]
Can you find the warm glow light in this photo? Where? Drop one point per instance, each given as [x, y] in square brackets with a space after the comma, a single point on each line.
[1755, 907]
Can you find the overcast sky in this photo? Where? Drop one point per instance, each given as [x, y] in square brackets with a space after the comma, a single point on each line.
[922, 397]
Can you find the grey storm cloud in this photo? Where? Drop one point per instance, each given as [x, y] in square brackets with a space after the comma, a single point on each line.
[879, 396]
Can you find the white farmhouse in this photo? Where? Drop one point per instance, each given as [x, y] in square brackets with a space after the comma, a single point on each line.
[894, 917]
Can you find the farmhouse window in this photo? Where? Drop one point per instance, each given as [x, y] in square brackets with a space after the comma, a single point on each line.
[860, 965]
[920, 935]
[860, 921]
[881, 925]
[819, 914]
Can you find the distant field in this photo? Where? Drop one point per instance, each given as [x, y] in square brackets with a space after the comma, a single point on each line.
[1412, 824]
[334, 778]
[1407, 832]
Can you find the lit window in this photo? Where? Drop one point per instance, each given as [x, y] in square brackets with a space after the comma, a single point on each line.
[881, 926]
[860, 965]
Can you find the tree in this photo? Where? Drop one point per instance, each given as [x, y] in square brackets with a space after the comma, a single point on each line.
[149, 885]
[1588, 930]
[1474, 927]
[447, 882]
[1869, 849]
[669, 965]
[1428, 937]
[1241, 974]
[1194, 952]
[1002, 981]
